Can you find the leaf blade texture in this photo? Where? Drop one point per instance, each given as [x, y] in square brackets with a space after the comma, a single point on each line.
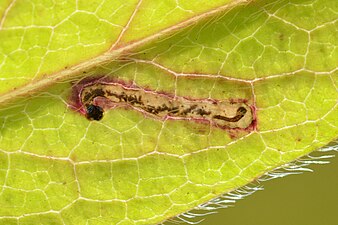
[279, 56]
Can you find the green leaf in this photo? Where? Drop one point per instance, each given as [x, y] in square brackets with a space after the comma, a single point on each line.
[57, 167]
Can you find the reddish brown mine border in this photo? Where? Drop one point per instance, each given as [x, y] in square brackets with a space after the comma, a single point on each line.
[75, 102]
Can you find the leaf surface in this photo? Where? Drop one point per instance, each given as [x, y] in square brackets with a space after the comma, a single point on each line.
[57, 167]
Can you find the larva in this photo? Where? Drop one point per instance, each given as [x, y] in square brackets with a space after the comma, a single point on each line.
[100, 96]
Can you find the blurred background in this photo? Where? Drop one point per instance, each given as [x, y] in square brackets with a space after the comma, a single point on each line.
[310, 198]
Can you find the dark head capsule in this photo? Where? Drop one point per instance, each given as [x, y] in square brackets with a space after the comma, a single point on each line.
[94, 112]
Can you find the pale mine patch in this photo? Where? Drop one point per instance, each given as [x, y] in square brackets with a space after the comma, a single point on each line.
[222, 113]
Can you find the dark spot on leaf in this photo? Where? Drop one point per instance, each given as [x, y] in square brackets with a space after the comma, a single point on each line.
[94, 112]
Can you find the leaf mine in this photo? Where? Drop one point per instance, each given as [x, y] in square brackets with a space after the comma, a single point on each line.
[99, 95]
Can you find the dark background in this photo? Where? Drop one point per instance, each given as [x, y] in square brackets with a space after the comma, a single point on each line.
[310, 198]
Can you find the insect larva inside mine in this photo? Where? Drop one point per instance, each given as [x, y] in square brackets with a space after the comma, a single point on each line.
[223, 113]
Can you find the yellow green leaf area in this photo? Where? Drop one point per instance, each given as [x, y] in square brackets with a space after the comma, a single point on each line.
[39, 38]
[57, 167]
